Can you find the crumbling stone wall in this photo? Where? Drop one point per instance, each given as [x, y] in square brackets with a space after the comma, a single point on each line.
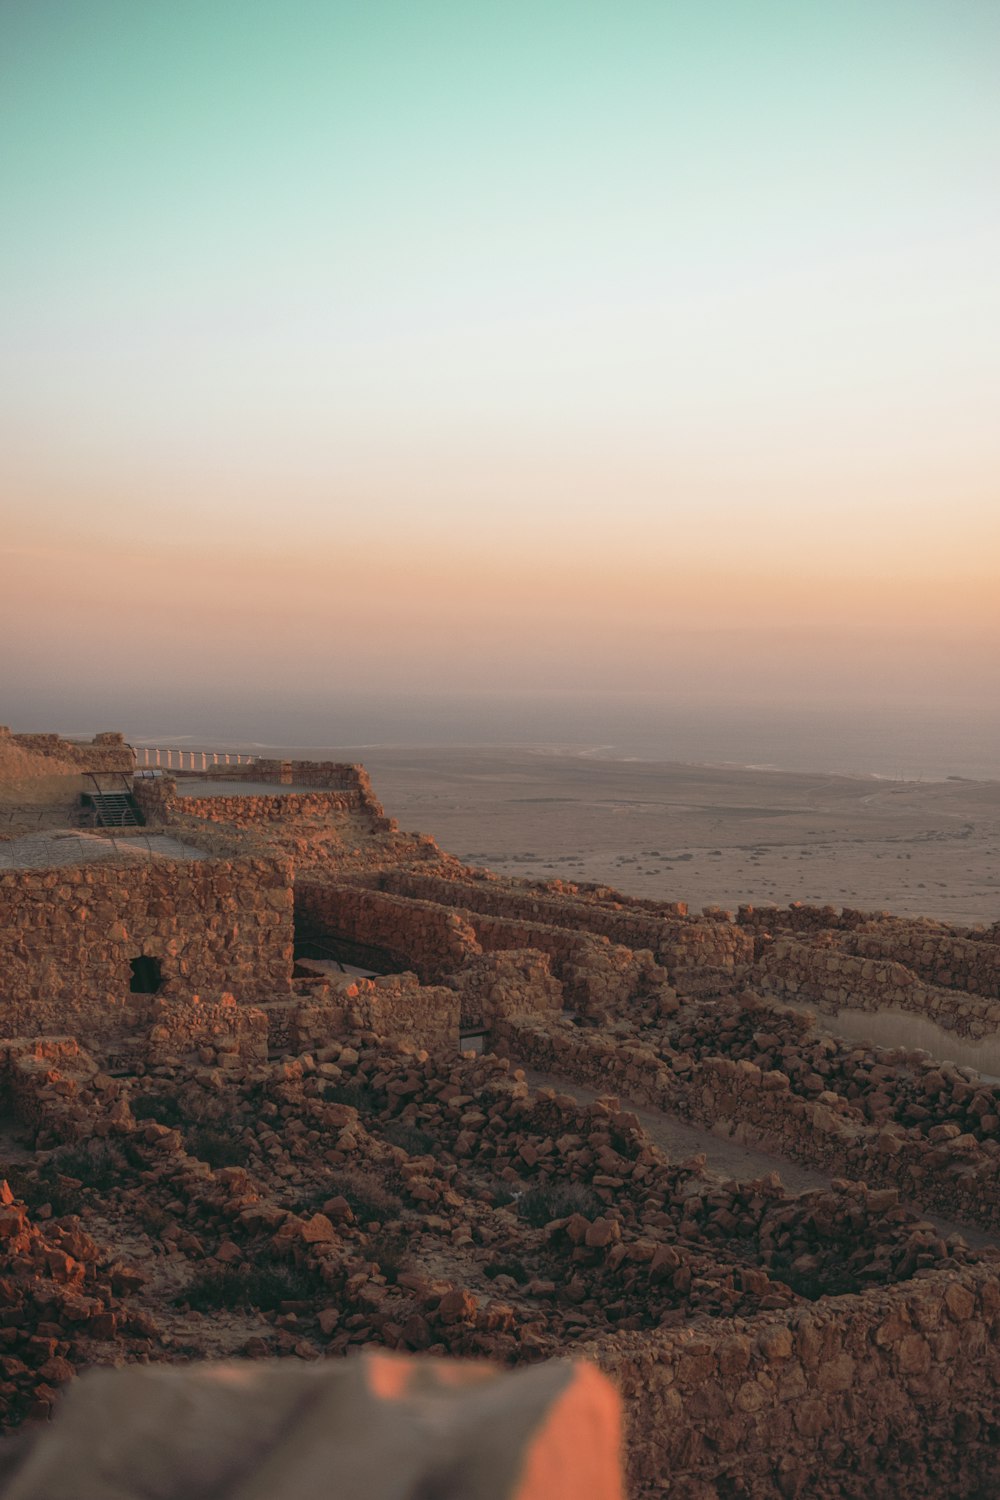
[435, 940]
[414, 935]
[940, 955]
[105, 752]
[832, 979]
[736, 1378]
[394, 1006]
[949, 1170]
[596, 975]
[875, 1395]
[156, 797]
[514, 982]
[68, 935]
[676, 941]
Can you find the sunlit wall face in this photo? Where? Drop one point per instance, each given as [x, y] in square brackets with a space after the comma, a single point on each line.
[529, 345]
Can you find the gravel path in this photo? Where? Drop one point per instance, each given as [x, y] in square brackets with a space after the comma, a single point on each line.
[679, 1140]
[43, 851]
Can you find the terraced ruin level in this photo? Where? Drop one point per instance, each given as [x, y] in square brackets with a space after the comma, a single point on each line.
[281, 1079]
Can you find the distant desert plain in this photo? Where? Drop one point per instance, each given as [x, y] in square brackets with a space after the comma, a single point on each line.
[708, 835]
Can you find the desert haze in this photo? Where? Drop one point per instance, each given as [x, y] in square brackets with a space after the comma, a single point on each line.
[718, 836]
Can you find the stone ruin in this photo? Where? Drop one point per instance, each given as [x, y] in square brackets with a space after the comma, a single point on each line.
[282, 1080]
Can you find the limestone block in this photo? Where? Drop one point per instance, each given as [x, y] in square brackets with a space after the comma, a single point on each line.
[381, 1427]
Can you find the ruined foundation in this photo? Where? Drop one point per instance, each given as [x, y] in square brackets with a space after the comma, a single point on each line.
[265, 1138]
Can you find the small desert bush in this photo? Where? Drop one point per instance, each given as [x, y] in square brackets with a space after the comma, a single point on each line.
[217, 1147]
[411, 1138]
[366, 1195]
[360, 1096]
[96, 1164]
[390, 1252]
[265, 1287]
[162, 1109]
[558, 1200]
[153, 1218]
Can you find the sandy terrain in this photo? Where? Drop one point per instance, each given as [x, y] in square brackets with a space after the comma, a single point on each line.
[705, 835]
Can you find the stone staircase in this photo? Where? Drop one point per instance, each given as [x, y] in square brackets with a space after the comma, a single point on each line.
[114, 806]
[115, 810]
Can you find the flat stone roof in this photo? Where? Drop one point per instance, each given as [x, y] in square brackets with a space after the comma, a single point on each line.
[55, 847]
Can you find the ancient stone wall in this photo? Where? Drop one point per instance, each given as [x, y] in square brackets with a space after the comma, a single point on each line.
[68, 935]
[223, 1034]
[395, 1006]
[516, 982]
[940, 955]
[951, 1172]
[939, 958]
[596, 975]
[157, 798]
[435, 941]
[832, 979]
[415, 935]
[250, 812]
[105, 752]
[676, 942]
[875, 1395]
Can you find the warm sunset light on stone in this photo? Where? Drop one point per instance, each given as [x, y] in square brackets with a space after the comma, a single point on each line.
[513, 1011]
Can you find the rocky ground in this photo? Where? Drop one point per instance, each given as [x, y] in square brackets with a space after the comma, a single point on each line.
[364, 1193]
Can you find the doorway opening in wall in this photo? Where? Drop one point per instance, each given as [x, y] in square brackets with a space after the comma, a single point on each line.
[146, 976]
[472, 1041]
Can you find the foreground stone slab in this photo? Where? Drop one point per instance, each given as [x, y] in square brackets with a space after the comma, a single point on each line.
[379, 1427]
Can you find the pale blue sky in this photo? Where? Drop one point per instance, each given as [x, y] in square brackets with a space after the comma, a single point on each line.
[572, 288]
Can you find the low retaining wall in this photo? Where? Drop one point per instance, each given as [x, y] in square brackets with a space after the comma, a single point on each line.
[246, 811]
[864, 1397]
[415, 935]
[396, 1007]
[224, 1033]
[955, 1174]
[677, 942]
[834, 980]
[940, 958]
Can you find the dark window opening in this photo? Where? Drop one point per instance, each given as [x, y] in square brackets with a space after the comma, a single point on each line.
[146, 977]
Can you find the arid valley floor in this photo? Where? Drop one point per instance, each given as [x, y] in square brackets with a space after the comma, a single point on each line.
[712, 836]
[282, 1079]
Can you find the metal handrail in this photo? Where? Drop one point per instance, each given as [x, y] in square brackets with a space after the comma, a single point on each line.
[173, 758]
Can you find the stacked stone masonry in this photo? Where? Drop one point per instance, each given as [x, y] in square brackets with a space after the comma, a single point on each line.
[303, 1158]
[68, 937]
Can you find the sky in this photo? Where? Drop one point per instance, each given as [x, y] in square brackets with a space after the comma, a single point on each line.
[540, 346]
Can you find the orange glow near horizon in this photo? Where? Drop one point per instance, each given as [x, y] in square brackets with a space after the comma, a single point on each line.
[653, 351]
